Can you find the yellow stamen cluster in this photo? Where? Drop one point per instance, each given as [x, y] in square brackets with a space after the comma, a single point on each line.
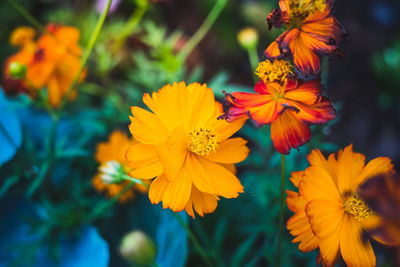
[202, 141]
[21, 36]
[357, 207]
[301, 9]
[278, 70]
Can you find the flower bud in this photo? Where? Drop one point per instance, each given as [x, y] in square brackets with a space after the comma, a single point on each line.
[137, 248]
[111, 172]
[248, 38]
[17, 70]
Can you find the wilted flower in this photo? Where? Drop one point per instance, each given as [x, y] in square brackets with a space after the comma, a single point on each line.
[138, 248]
[110, 178]
[187, 148]
[52, 61]
[290, 107]
[311, 31]
[329, 212]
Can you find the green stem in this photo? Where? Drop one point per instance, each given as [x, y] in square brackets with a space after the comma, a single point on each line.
[27, 16]
[194, 240]
[85, 57]
[142, 6]
[52, 135]
[254, 59]
[282, 211]
[136, 181]
[99, 209]
[204, 28]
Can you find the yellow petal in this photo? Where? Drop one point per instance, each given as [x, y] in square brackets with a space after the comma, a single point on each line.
[376, 166]
[203, 203]
[178, 191]
[350, 165]
[324, 215]
[141, 155]
[318, 184]
[173, 153]
[149, 172]
[146, 127]
[224, 182]
[225, 129]
[232, 150]
[157, 189]
[199, 175]
[355, 252]
[200, 100]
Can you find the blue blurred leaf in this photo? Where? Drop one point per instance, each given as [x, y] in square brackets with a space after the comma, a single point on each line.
[171, 240]
[23, 245]
[10, 130]
[86, 249]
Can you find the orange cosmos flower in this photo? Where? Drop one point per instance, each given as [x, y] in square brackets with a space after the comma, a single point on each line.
[111, 156]
[311, 31]
[187, 148]
[52, 61]
[329, 213]
[290, 108]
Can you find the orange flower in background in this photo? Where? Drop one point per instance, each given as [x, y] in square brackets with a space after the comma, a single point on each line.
[290, 108]
[184, 145]
[329, 212]
[111, 156]
[52, 61]
[311, 31]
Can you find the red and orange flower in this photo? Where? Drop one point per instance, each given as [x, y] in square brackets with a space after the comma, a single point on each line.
[290, 107]
[311, 31]
[52, 61]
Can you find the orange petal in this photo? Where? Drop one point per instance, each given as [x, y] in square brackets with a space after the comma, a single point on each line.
[232, 150]
[307, 93]
[355, 251]
[319, 113]
[148, 172]
[350, 165]
[203, 203]
[288, 132]
[376, 166]
[224, 182]
[299, 227]
[296, 177]
[318, 184]
[157, 189]
[305, 59]
[199, 175]
[140, 155]
[316, 159]
[224, 129]
[272, 51]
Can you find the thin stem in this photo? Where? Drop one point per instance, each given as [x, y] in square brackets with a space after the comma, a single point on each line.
[99, 209]
[136, 181]
[57, 116]
[27, 16]
[194, 240]
[282, 211]
[142, 6]
[85, 57]
[254, 59]
[204, 28]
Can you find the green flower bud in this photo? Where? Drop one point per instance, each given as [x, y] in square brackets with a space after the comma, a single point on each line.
[137, 248]
[248, 38]
[17, 70]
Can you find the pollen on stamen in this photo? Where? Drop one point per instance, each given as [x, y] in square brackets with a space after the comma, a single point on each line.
[202, 141]
[278, 70]
[356, 207]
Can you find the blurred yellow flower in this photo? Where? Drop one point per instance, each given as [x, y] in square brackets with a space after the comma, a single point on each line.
[187, 148]
[52, 61]
[111, 156]
[329, 213]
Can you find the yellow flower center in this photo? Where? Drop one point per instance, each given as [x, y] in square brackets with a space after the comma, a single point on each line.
[301, 9]
[202, 141]
[278, 70]
[357, 207]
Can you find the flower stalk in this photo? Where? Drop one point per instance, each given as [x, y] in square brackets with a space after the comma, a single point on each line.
[282, 211]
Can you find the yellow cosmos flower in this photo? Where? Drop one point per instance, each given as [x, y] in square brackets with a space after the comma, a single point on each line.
[187, 148]
[111, 156]
[329, 213]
